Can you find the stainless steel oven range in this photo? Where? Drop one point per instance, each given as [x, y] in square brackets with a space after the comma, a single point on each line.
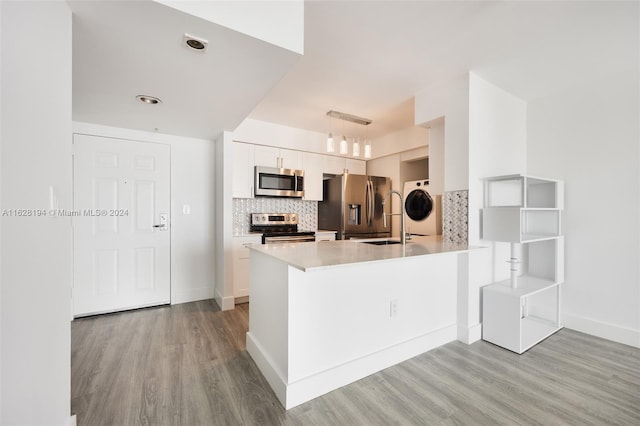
[279, 228]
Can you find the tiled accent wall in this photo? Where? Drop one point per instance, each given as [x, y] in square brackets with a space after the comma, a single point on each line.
[243, 207]
[455, 216]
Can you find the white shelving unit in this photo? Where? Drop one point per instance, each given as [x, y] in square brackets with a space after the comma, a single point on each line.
[527, 213]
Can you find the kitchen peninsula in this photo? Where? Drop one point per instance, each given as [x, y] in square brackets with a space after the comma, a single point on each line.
[325, 314]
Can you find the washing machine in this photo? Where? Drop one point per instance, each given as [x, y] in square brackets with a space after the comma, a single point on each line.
[423, 211]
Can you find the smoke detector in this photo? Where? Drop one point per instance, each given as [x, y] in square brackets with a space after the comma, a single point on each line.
[195, 43]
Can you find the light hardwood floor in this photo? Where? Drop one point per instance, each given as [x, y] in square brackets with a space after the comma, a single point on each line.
[187, 365]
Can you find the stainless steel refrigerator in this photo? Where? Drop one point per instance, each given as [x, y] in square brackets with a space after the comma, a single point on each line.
[353, 206]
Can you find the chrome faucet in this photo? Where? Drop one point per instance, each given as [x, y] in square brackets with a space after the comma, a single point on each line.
[403, 235]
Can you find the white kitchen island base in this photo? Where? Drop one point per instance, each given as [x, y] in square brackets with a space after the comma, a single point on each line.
[315, 329]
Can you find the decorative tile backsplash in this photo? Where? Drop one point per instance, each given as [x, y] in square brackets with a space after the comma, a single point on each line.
[455, 210]
[455, 216]
[243, 207]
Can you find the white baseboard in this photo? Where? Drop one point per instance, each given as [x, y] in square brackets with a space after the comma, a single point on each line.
[72, 421]
[470, 334]
[225, 303]
[310, 387]
[265, 364]
[616, 333]
[191, 295]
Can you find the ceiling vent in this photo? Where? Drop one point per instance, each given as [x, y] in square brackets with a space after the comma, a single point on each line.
[195, 43]
[150, 100]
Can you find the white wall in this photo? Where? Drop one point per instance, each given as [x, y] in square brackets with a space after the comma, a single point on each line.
[497, 146]
[265, 133]
[1, 118]
[193, 236]
[588, 136]
[484, 135]
[277, 22]
[401, 140]
[36, 251]
[224, 222]
[451, 101]
[192, 183]
[436, 155]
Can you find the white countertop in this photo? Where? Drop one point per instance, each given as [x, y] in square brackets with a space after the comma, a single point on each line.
[259, 233]
[326, 254]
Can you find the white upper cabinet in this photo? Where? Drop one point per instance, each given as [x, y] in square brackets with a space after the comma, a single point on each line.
[338, 165]
[355, 167]
[333, 165]
[270, 156]
[267, 156]
[242, 174]
[313, 166]
[291, 159]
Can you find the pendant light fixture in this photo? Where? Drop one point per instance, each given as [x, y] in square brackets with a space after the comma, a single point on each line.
[331, 145]
[367, 148]
[344, 146]
[356, 147]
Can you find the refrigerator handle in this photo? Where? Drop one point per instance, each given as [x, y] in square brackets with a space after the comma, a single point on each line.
[370, 202]
[373, 202]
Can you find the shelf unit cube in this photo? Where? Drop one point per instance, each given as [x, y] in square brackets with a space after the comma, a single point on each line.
[523, 191]
[522, 311]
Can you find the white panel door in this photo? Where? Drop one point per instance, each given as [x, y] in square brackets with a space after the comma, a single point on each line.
[121, 224]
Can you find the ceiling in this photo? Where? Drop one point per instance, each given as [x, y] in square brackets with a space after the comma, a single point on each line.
[122, 49]
[367, 58]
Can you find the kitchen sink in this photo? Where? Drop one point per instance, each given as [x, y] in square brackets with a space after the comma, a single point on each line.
[382, 242]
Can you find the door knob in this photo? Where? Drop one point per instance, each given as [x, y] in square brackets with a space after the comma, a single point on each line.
[164, 221]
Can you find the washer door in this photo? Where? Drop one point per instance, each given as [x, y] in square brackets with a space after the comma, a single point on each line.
[418, 204]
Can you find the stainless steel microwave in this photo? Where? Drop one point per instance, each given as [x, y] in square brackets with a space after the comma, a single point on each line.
[274, 182]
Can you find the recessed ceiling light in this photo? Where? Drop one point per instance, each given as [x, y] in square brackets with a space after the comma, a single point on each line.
[195, 43]
[151, 100]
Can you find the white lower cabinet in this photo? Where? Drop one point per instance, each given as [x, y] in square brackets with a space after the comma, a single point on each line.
[325, 235]
[241, 264]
